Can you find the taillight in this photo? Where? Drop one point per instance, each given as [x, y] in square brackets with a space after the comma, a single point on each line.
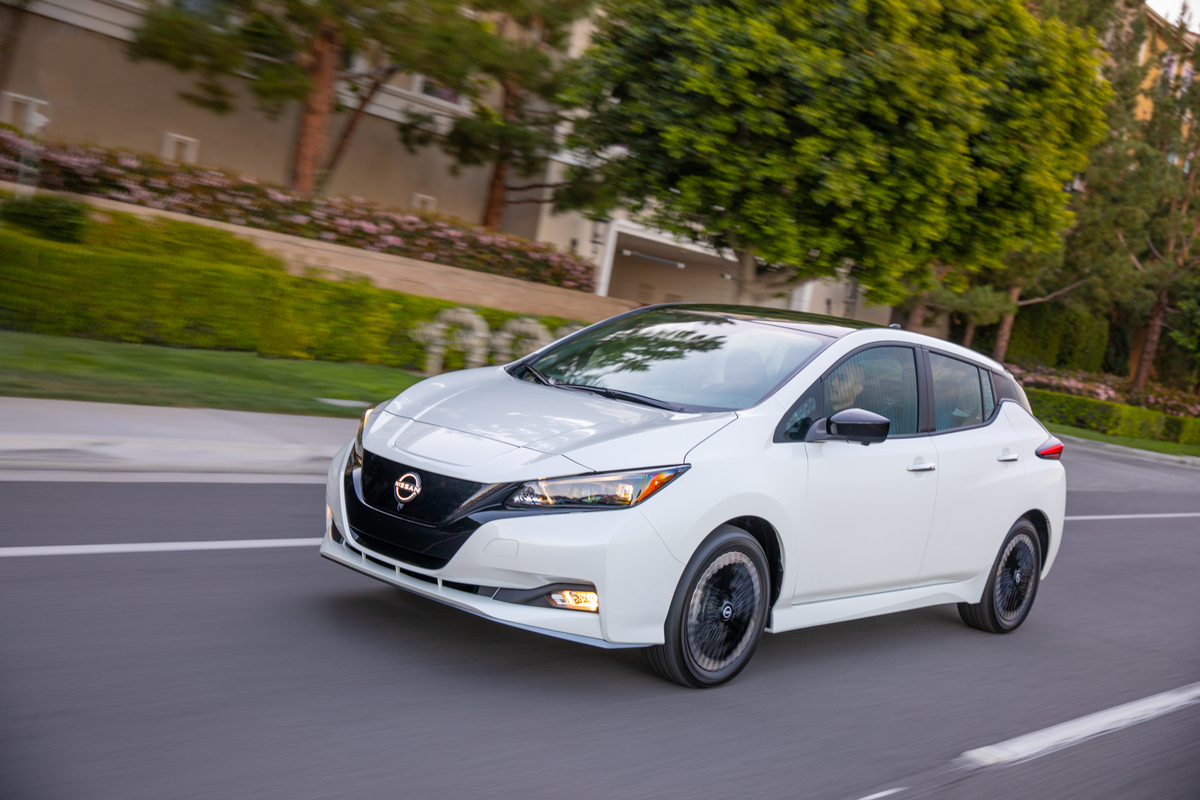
[1051, 448]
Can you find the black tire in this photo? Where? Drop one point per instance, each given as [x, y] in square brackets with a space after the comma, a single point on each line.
[717, 616]
[1012, 585]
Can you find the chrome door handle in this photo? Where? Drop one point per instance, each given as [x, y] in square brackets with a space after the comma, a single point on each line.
[1008, 457]
[930, 467]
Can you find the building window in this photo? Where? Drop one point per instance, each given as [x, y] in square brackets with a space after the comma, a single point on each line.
[25, 113]
[183, 149]
[424, 202]
[431, 88]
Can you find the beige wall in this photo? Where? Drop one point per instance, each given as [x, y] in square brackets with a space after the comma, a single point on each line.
[98, 96]
[647, 282]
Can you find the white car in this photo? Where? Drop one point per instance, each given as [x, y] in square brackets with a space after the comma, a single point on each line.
[681, 478]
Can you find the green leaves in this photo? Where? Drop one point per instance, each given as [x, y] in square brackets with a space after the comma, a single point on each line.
[886, 133]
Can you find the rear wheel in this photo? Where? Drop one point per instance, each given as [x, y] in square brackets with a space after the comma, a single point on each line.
[718, 614]
[1012, 586]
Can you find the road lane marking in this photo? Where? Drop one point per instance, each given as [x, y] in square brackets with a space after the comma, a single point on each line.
[1048, 740]
[153, 547]
[1134, 516]
[884, 793]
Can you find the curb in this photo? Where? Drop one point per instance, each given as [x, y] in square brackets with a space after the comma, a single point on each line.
[1132, 452]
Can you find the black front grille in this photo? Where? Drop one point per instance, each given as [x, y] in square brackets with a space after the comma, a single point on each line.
[441, 499]
[425, 532]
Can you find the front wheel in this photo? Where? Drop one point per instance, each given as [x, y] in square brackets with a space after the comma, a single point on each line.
[1012, 585]
[718, 614]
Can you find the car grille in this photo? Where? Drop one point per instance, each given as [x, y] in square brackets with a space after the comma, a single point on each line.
[425, 532]
[441, 499]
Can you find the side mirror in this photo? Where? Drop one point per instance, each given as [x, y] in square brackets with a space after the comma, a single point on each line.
[851, 425]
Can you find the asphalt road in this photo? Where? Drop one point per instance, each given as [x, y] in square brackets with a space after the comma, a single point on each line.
[276, 674]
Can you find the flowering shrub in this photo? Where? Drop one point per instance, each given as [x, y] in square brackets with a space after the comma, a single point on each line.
[1110, 388]
[243, 200]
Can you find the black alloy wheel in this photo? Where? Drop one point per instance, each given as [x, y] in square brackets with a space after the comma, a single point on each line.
[718, 614]
[1012, 585]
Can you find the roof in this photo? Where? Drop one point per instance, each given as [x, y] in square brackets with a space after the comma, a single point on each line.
[830, 326]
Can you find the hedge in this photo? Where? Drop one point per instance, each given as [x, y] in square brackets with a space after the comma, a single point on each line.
[76, 290]
[1114, 419]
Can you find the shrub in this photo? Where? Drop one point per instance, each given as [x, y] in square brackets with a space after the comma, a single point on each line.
[1112, 418]
[55, 218]
[73, 290]
[154, 236]
[1109, 387]
[244, 200]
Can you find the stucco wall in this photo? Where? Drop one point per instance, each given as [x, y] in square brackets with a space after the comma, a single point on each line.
[97, 95]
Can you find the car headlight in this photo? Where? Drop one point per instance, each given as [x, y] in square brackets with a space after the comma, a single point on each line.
[609, 490]
[362, 426]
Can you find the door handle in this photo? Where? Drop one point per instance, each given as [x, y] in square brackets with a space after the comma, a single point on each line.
[927, 467]
[1008, 457]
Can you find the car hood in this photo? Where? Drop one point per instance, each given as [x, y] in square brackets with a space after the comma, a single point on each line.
[473, 418]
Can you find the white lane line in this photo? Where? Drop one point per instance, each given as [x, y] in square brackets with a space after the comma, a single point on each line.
[1048, 740]
[1134, 516]
[884, 793]
[153, 547]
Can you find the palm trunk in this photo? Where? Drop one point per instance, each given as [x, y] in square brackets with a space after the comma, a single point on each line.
[12, 38]
[969, 333]
[318, 107]
[1158, 315]
[1006, 327]
[351, 126]
[916, 317]
[493, 214]
[747, 277]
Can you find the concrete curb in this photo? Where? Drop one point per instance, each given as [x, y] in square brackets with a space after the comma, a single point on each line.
[156, 455]
[1132, 452]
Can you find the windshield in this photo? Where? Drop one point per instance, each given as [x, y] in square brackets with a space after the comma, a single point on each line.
[689, 359]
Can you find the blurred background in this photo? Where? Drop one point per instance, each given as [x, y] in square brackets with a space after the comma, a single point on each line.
[228, 226]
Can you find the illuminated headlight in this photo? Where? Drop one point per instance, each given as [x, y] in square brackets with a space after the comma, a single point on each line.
[578, 601]
[609, 490]
[362, 426]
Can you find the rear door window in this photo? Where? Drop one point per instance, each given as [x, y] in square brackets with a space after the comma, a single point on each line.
[959, 396]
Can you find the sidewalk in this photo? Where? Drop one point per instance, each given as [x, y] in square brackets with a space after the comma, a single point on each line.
[65, 435]
[88, 441]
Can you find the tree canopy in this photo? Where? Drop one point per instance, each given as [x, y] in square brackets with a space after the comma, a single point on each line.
[812, 136]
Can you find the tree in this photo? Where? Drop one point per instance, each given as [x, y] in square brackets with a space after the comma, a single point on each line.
[1187, 329]
[18, 14]
[527, 64]
[1143, 194]
[804, 136]
[294, 51]
[1043, 112]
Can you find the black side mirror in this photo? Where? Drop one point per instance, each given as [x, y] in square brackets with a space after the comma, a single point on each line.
[851, 425]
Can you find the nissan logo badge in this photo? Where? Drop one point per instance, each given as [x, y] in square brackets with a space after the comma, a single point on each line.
[408, 486]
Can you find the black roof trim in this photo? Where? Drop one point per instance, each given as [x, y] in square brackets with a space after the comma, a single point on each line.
[766, 314]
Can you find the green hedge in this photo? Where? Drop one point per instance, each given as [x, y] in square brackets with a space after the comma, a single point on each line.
[1059, 335]
[1114, 419]
[72, 290]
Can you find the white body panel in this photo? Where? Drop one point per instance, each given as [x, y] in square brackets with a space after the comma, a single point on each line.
[857, 534]
[978, 497]
[866, 519]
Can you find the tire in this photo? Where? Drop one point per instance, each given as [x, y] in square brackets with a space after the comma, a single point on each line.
[717, 616]
[1012, 586]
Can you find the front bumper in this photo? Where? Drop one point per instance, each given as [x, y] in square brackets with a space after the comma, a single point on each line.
[617, 551]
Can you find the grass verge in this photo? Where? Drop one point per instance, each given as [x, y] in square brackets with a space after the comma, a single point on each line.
[64, 368]
[1170, 448]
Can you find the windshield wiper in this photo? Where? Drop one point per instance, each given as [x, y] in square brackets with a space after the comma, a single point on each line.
[537, 373]
[617, 394]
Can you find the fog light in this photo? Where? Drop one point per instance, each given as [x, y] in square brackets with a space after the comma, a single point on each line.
[579, 601]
